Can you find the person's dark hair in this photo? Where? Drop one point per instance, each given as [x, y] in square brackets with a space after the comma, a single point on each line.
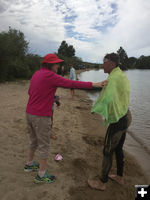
[47, 65]
[113, 57]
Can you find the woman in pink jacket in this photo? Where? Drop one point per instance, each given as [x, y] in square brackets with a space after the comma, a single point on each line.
[41, 92]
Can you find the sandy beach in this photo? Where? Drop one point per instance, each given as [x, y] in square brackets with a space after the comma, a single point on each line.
[80, 137]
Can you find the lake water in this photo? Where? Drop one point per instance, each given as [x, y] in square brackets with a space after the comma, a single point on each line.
[138, 137]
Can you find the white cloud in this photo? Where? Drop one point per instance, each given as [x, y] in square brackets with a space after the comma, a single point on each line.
[39, 21]
[131, 30]
[133, 27]
[94, 27]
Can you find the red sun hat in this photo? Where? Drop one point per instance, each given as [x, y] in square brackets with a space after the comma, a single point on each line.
[51, 58]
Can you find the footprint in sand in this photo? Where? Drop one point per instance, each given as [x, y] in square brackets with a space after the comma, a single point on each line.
[80, 165]
[81, 108]
[55, 129]
[93, 140]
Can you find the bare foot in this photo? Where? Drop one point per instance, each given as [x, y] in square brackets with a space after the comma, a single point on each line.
[96, 184]
[117, 178]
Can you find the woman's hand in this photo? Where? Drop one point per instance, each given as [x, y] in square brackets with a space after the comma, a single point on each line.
[100, 84]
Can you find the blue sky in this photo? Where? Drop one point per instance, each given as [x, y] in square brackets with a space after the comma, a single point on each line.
[93, 27]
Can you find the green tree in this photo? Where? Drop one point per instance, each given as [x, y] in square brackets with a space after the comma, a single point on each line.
[33, 62]
[66, 50]
[123, 58]
[62, 50]
[15, 62]
[143, 62]
[70, 51]
[132, 62]
[13, 49]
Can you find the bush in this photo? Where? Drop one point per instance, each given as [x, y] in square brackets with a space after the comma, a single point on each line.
[14, 60]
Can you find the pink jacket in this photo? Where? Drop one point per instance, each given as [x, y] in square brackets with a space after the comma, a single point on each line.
[42, 90]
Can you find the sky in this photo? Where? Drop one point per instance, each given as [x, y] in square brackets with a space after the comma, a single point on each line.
[93, 27]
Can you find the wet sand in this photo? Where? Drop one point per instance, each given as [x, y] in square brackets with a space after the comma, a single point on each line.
[80, 138]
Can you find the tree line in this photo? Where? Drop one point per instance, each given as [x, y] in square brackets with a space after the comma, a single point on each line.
[17, 63]
[143, 62]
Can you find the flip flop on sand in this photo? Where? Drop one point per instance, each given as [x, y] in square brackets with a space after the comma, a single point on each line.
[117, 179]
[96, 184]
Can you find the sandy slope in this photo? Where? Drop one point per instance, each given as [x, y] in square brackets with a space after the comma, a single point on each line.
[80, 141]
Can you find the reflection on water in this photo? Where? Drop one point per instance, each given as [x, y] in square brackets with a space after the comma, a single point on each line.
[139, 102]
